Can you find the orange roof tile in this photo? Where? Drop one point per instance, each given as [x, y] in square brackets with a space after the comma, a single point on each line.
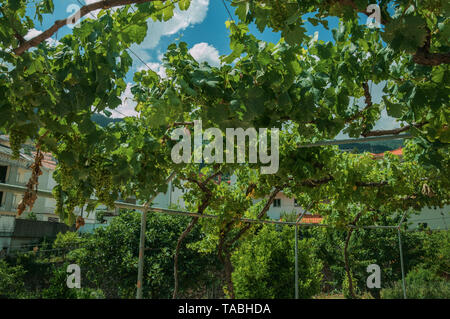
[48, 162]
[398, 152]
[311, 219]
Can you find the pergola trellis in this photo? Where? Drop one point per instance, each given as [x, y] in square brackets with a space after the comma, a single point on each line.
[147, 208]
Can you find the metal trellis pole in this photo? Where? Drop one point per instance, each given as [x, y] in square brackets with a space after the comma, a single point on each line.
[142, 242]
[48, 194]
[296, 261]
[401, 263]
[296, 250]
[141, 255]
[357, 140]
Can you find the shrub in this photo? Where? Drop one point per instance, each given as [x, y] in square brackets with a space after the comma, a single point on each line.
[421, 283]
[11, 281]
[108, 259]
[346, 289]
[58, 285]
[264, 266]
[88, 293]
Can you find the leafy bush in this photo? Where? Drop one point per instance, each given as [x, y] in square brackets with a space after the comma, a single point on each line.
[88, 293]
[375, 246]
[420, 284]
[58, 285]
[264, 266]
[436, 246]
[11, 281]
[68, 241]
[346, 289]
[108, 259]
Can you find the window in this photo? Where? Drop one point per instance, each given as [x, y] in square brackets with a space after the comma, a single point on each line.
[23, 176]
[16, 200]
[277, 202]
[423, 226]
[3, 171]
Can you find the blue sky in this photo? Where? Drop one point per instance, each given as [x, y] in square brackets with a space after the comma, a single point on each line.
[202, 23]
[202, 26]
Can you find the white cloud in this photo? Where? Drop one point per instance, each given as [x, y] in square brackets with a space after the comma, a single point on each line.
[34, 33]
[95, 13]
[180, 21]
[203, 52]
[127, 108]
[156, 67]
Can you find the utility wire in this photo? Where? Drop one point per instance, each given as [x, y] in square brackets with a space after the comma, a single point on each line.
[131, 51]
[128, 49]
[226, 8]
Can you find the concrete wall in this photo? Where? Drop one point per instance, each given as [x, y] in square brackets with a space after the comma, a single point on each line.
[6, 230]
[17, 232]
[438, 218]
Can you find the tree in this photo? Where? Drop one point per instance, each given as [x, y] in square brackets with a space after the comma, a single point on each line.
[108, 259]
[309, 89]
[264, 266]
[420, 30]
[371, 246]
[49, 91]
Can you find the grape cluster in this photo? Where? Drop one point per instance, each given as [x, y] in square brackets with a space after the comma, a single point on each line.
[71, 193]
[16, 139]
[59, 209]
[102, 180]
[68, 194]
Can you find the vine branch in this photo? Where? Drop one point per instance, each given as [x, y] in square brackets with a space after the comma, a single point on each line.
[393, 131]
[205, 202]
[106, 4]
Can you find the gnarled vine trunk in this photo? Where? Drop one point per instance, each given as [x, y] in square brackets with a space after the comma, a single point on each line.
[347, 266]
[228, 274]
[346, 259]
[177, 253]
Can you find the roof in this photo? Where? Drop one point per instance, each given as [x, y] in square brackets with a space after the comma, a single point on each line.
[398, 152]
[48, 162]
[311, 219]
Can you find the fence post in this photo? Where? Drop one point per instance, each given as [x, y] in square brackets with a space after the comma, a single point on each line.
[296, 261]
[401, 263]
[141, 254]
[299, 218]
[142, 240]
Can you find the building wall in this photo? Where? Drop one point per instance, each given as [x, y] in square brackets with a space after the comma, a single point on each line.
[14, 233]
[438, 218]
[6, 230]
[18, 173]
[287, 206]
